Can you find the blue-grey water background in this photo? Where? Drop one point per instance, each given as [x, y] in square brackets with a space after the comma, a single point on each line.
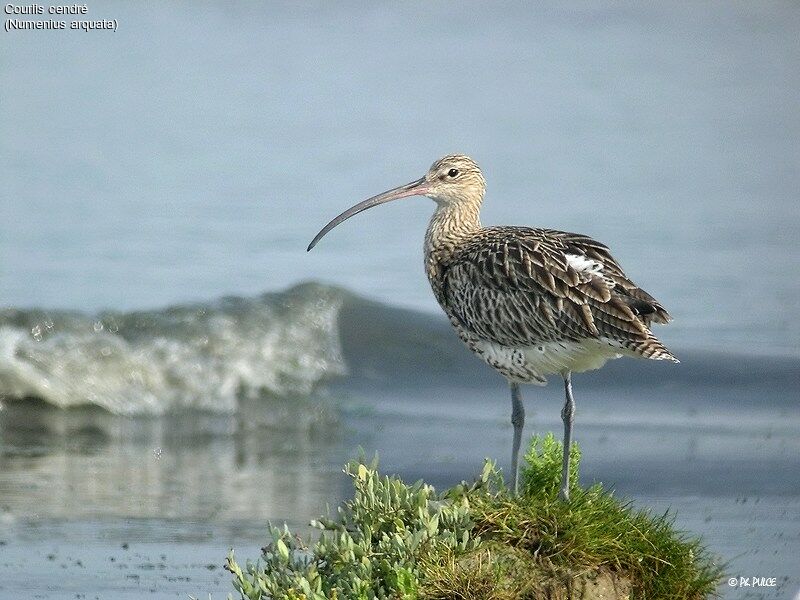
[191, 155]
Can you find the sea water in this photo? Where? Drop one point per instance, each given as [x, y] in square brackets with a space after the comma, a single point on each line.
[194, 152]
[160, 184]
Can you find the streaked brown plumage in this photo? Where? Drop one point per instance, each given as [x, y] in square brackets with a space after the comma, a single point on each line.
[513, 286]
[529, 302]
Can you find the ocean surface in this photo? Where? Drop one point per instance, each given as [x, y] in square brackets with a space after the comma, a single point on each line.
[175, 369]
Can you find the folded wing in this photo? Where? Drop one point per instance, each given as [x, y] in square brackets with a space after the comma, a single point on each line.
[521, 286]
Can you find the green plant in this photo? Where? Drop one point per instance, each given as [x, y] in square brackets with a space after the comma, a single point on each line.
[475, 541]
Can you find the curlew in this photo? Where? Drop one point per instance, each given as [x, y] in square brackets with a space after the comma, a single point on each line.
[529, 302]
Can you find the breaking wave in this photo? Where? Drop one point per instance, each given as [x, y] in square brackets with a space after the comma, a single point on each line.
[231, 353]
[206, 356]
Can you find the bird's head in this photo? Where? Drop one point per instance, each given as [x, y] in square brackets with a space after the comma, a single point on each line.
[452, 181]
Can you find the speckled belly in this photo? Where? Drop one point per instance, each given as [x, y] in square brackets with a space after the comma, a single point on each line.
[531, 364]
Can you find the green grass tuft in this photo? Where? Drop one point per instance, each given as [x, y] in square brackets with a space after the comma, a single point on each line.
[399, 541]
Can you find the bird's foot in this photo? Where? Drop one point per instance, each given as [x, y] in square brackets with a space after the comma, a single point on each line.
[563, 494]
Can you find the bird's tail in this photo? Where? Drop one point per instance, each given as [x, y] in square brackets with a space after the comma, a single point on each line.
[652, 348]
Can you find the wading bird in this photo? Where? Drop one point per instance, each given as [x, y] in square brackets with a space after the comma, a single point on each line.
[529, 302]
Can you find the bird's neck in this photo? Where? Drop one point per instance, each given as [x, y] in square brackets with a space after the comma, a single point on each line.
[450, 225]
[449, 228]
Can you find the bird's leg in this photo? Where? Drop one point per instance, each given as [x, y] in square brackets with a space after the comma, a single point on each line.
[518, 421]
[567, 415]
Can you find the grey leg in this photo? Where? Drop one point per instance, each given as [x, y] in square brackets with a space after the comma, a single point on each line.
[518, 421]
[567, 415]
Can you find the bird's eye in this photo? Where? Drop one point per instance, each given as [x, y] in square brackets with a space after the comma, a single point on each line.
[453, 173]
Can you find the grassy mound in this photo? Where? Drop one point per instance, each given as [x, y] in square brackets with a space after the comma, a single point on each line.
[399, 541]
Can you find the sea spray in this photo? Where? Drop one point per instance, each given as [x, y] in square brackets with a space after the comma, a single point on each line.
[284, 345]
[205, 356]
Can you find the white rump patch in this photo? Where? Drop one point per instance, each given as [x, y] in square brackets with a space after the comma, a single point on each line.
[580, 263]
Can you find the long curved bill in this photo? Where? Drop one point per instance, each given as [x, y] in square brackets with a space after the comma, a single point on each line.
[415, 188]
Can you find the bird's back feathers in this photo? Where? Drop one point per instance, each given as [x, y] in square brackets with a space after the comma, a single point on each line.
[517, 286]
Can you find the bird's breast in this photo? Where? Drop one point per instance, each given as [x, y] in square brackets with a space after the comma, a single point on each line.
[434, 271]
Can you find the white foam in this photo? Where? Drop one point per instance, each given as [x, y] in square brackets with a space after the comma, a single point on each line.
[203, 357]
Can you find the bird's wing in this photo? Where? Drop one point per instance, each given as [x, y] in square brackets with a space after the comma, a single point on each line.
[516, 285]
